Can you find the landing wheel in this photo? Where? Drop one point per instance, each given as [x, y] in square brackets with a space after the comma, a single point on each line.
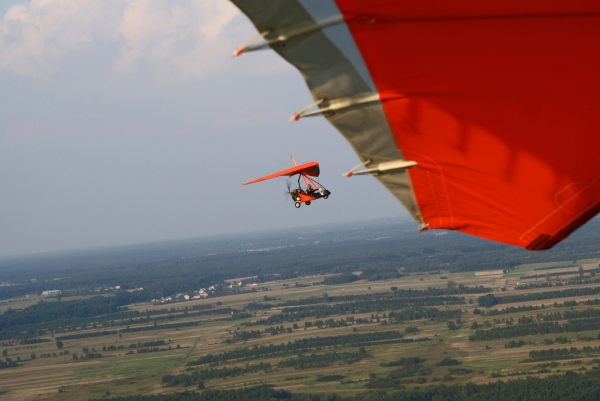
[307, 203]
[325, 196]
[297, 204]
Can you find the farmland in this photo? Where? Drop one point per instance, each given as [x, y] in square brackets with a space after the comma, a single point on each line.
[365, 347]
[345, 333]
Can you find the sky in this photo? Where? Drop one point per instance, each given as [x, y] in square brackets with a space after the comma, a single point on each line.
[126, 122]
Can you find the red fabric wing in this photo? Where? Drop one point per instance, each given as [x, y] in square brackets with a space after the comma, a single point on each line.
[498, 103]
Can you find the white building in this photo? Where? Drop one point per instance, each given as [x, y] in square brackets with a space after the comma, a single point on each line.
[51, 292]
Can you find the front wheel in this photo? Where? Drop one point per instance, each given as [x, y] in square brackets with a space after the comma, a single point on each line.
[297, 204]
[325, 196]
[307, 203]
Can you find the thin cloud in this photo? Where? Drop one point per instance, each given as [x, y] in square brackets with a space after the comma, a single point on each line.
[177, 40]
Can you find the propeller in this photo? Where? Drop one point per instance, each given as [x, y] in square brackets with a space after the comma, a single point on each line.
[289, 189]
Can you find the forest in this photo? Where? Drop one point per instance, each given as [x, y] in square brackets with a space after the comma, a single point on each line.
[173, 267]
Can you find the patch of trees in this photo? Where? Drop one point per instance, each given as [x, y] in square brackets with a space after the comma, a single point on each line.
[113, 347]
[87, 335]
[140, 344]
[515, 344]
[410, 361]
[331, 323]
[199, 375]
[424, 313]
[448, 362]
[245, 335]
[459, 371]
[87, 355]
[581, 272]
[58, 311]
[430, 292]
[531, 286]
[490, 300]
[351, 340]
[535, 329]
[487, 301]
[410, 313]
[254, 306]
[154, 349]
[322, 360]
[382, 382]
[158, 327]
[561, 353]
[377, 274]
[521, 373]
[407, 367]
[67, 315]
[28, 341]
[511, 309]
[8, 363]
[577, 314]
[394, 316]
[239, 316]
[418, 308]
[562, 266]
[274, 330]
[213, 312]
[341, 279]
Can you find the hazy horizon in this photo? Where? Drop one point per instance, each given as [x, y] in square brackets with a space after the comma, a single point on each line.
[222, 236]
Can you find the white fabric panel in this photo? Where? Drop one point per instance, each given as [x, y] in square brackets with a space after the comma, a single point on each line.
[339, 35]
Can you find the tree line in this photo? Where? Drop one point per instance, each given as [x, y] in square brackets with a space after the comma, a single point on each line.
[490, 300]
[348, 340]
[535, 329]
[569, 386]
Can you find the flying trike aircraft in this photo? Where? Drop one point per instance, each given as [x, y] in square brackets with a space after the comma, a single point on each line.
[300, 195]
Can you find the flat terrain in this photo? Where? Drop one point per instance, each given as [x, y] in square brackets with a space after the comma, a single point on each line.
[171, 338]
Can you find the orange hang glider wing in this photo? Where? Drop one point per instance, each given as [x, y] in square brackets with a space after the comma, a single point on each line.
[310, 168]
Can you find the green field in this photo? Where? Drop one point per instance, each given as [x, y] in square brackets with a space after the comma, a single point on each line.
[523, 269]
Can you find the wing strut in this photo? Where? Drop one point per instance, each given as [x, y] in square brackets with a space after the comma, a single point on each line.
[284, 36]
[380, 168]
